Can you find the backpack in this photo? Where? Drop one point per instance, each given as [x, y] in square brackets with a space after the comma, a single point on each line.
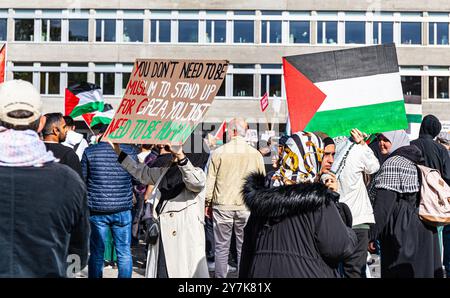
[434, 207]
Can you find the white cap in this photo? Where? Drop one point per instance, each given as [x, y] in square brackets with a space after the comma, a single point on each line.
[19, 95]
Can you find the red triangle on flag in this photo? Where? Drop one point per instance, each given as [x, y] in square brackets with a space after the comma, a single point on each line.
[2, 63]
[71, 101]
[303, 97]
[88, 118]
[219, 134]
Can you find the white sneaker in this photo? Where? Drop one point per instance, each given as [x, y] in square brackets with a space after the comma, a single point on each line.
[211, 266]
[231, 269]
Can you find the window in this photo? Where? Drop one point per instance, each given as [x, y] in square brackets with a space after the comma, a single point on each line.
[50, 83]
[326, 32]
[299, 32]
[411, 33]
[438, 33]
[383, 32]
[106, 81]
[438, 87]
[78, 30]
[105, 30]
[133, 31]
[412, 85]
[355, 32]
[75, 78]
[242, 85]
[271, 32]
[23, 75]
[216, 31]
[187, 31]
[24, 30]
[243, 31]
[125, 79]
[51, 30]
[160, 31]
[272, 83]
[3, 28]
[222, 89]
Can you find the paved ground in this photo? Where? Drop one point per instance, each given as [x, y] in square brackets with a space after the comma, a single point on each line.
[139, 269]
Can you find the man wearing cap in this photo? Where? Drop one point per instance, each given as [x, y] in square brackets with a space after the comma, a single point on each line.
[44, 227]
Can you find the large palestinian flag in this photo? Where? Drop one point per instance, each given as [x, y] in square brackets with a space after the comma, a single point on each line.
[83, 98]
[336, 91]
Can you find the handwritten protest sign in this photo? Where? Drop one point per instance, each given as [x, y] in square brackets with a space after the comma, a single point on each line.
[165, 100]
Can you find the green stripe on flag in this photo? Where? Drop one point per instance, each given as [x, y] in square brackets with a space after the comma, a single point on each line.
[369, 119]
[87, 108]
[414, 118]
[100, 120]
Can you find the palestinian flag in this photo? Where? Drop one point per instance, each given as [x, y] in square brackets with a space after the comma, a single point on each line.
[336, 91]
[221, 132]
[83, 98]
[102, 117]
[413, 107]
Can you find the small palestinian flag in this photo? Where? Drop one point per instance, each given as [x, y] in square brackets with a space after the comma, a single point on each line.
[336, 91]
[83, 98]
[102, 117]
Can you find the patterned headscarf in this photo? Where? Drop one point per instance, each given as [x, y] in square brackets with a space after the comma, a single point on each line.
[301, 160]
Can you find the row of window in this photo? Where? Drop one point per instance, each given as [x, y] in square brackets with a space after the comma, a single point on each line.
[235, 85]
[215, 31]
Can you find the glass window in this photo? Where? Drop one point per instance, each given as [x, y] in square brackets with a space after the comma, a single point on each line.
[221, 91]
[50, 83]
[75, 78]
[51, 30]
[216, 31]
[187, 31]
[326, 32]
[438, 87]
[412, 85]
[383, 32]
[125, 79]
[160, 31]
[106, 81]
[438, 33]
[23, 75]
[78, 30]
[243, 31]
[133, 31]
[271, 83]
[355, 32]
[24, 30]
[411, 33]
[3, 28]
[105, 30]
[299, 32]
[242, 85]
[271, 30]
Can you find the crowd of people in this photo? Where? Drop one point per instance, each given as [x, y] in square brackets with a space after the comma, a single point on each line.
[318, 211]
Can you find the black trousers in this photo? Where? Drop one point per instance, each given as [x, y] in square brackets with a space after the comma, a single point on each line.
[355, 265]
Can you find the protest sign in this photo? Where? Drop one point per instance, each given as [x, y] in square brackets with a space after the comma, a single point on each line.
[264, 102]
[165, 100]
[336, 91]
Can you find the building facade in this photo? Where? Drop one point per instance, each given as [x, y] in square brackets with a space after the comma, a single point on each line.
[54, 44]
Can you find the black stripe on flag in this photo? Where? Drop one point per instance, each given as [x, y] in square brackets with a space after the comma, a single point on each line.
[82, 87]
[348, 63]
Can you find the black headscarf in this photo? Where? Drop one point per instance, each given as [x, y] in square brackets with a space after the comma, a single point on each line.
[430, 126]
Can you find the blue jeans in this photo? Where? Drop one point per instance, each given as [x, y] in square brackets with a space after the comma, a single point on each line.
[120, 225]
[446, 244]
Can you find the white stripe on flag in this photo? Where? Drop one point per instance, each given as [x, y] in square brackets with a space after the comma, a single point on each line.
[361, 91]
[89, 96]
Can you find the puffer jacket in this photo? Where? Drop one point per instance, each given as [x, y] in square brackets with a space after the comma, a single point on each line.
[109, 186]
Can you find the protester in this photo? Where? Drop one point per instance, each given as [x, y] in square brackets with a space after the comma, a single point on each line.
[110, 201]
[54, 133]
[74, 140]
[294, 229]
[44, 228]
[354, 159]
[409, 247]
[229, 166]
[178, 248]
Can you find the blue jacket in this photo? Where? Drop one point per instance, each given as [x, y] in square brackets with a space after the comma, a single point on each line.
[109, 186]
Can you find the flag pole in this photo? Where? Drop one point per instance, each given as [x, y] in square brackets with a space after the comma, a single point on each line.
[88, 126]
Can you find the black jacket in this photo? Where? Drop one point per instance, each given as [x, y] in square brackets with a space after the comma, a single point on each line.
[409, 248]
[66, 156]
[43, 220]
[435, 155]
[293, 231]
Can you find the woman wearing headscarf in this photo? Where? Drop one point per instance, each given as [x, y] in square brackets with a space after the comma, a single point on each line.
[409, 248]
[294, 229]
[178, 248]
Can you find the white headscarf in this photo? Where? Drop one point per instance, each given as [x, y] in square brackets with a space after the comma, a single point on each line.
[398, 138]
